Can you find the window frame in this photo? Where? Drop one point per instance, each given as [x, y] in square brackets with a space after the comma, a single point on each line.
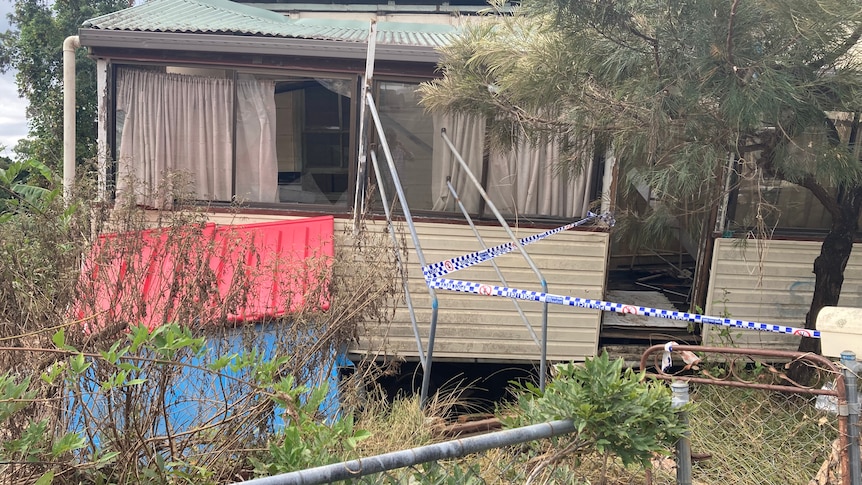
[233, 72]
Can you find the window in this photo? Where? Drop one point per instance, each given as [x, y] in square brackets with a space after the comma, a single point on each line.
[227, 135]
[272, 138]
[525, 181]
[410, 135]
[758, 196]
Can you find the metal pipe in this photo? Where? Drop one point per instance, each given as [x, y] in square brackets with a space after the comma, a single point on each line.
[400, 265]
[70, 45]
[543, 363]
[848, 361]
[815, 360]
[423, 454]
[683, 446]
[359, 188]
[493, 263]
[408, 217]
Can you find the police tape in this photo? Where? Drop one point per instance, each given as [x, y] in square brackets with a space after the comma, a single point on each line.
[491, 290]
[436, 270]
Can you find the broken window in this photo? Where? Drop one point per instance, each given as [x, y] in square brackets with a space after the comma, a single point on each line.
[524, 181]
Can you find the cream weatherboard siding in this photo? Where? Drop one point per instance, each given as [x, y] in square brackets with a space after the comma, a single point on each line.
[775, 289]
[475, 329]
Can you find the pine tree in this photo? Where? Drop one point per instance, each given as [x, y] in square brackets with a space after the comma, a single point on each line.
[677, 87]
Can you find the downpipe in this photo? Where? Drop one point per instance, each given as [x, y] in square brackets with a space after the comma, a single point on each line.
[70, 46]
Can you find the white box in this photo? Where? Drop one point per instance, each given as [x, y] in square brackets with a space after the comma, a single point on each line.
[840, 330]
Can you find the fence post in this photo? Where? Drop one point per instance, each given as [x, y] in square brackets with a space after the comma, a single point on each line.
[848, 360]
[683, 446]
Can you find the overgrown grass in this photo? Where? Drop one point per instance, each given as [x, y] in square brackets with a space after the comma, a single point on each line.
[750, 437]
[94, 397]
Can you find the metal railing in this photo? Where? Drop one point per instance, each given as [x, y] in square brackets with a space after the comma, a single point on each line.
[426, 349]
[773, 378]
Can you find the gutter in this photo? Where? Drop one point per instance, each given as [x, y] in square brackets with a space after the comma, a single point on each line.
[70, 45]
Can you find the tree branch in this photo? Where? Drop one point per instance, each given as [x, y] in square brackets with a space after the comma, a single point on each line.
[730, 26]
[820, 193]
[840, 51]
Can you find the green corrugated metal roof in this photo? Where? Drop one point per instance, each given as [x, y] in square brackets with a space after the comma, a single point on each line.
[226, 17]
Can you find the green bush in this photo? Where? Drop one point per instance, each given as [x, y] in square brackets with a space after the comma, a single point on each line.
[616, 412]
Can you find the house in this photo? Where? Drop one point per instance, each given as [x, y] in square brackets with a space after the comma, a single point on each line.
[260, 103]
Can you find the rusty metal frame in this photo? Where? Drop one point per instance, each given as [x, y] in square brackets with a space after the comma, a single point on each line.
[733, 379]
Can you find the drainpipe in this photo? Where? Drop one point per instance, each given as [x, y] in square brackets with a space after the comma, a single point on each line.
[69, 46]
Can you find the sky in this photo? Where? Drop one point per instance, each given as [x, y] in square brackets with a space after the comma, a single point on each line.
[13, 121]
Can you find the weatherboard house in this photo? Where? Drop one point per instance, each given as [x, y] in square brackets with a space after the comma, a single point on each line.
[261, 102]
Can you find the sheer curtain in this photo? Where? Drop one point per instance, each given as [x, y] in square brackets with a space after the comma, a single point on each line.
[173, 123]
[180, 127]
[257, 161]
[524, 181]
[468, 135]
[527, 181]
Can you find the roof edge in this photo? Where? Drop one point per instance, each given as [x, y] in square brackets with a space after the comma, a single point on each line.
[255, 45]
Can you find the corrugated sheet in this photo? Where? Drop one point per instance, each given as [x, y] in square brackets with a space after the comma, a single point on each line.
[777, 290]
[225, 17]
[122, 281]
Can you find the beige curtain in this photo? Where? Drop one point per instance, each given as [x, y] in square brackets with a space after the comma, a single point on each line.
[468, 135]
[178, 128]
[257, 162]
[524, 181]
[173, 124]
[527, 181]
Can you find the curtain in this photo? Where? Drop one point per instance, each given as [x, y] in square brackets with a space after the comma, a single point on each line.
[527, 181]
[468, 136]
[524, 181]
[175, 135]
[257, 162]
[173, 124]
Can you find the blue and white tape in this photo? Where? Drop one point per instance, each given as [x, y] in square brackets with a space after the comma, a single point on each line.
[436, 270]
[492, 290]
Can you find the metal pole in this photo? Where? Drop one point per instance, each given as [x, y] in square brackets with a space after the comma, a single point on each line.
[848, 360]
[408, 218]
[402, 269]
[400, 459]
[361, 169]
[543, 363]
[683, 446]
[493, 263]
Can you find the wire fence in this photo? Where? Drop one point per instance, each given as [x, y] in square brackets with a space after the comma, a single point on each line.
[788, 441]
[753, 423]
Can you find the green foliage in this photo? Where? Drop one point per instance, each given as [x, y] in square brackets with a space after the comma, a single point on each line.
[27, 186]
[306, 441]
[105, 385]
[615, 411]
[34, 49]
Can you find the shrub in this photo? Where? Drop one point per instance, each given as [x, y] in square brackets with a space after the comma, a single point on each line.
[616, 413]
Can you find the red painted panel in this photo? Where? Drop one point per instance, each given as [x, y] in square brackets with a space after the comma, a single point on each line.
[191, 274]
